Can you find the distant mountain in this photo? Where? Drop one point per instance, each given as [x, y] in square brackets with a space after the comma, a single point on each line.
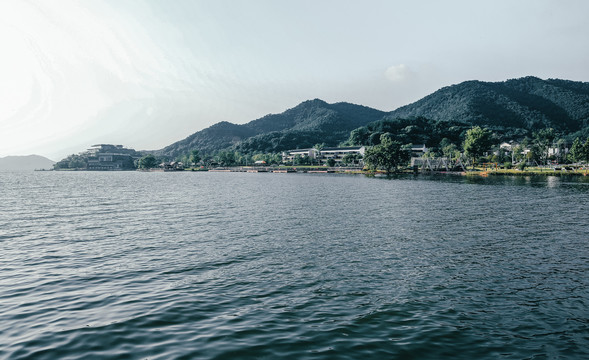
[305, 125]
[526, 104]
[512, 108]
[30, 162]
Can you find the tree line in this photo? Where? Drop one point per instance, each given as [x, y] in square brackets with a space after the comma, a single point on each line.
[389, 143]
[386, 152]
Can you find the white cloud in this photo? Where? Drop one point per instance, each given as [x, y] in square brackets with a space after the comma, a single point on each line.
[399, 73]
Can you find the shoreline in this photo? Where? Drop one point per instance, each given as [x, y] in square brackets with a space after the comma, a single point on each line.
[584, 171]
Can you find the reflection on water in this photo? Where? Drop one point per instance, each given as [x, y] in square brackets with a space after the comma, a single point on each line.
[502, 180]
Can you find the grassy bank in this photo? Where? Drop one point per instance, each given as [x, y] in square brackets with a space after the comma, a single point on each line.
[531, 171]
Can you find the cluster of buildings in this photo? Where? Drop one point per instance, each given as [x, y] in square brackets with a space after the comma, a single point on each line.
[322, 156]
[554, 151]
[116, 157]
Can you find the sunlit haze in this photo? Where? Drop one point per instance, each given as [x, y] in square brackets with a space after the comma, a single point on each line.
[149, 73]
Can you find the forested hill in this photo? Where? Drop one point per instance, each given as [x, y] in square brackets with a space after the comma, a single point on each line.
[513, 107]
[305, 125]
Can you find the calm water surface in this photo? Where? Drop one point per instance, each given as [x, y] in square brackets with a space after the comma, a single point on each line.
[268, 266]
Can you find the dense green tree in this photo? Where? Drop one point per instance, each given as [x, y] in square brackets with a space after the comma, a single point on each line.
[517, 153]
[74, 161]
[580, 151]
[185, 159]
[477, 141]
[194, 156]
[543, 141]
[78, 163]
[331, 162]
[358, 136]
[207, 159]
[451, 152]
[388, 155]
[302, 160]
[226, 158]
[576, 151]
[246, 159]
[444, 142]
[148, 162]
[352, 159]
[413, 130]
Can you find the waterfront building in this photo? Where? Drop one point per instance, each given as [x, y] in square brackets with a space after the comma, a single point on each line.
[289, 155]
[111, 157]
[323, 155]
[338, 153]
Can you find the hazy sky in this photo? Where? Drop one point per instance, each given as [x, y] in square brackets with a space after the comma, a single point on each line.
[148, 73]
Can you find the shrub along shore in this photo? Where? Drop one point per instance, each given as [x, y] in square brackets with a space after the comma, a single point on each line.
[530, 171]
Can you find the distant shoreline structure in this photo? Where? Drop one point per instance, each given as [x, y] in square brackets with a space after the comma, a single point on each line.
[548, 171]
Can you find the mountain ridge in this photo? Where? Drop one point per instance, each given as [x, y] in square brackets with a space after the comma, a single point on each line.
[26, 162]
[526, 103]
[513, 108]
[296, 126]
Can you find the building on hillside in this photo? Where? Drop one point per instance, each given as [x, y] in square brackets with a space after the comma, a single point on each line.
[338, 153]
[323, 155]
[289, 155]
[507, 146]
[111, 157]
[556, 151]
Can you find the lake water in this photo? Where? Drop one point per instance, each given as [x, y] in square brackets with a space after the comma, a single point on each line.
[203, 265]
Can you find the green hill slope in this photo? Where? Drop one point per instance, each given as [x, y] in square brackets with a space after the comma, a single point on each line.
[512, 108]
[311, 122]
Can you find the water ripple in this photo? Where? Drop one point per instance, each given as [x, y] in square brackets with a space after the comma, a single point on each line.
[249, 266]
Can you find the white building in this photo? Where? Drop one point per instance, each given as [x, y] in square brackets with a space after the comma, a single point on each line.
[288, 156]
[335, 153]
[418, 150]
[338, 153]
[556, 151]
[507, 146]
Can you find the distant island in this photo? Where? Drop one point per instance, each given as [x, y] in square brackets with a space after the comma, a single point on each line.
[29, 162]
[526, 120]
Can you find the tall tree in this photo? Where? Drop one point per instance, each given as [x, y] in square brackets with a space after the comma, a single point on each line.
[577, 150]
[387, 155]
[352, 158]
[451, 152]
[226, 158]
[477, 141]
[194, 156]
[543, 140]
[148, 162]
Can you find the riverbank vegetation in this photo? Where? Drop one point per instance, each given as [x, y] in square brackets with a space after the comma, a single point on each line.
[386, 151]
